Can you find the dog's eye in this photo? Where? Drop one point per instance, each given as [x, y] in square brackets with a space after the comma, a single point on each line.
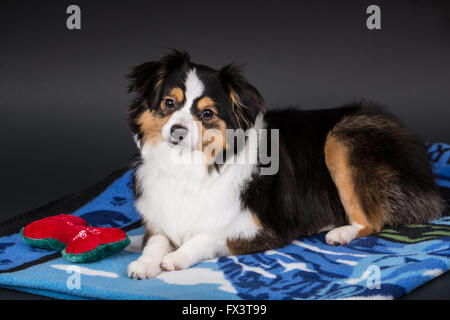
[169, 103]
[207, 114]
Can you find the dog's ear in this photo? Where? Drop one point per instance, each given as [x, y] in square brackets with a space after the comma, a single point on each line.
[147, 79]
[246, 101]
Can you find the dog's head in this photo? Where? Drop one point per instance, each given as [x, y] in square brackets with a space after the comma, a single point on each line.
[190, 106]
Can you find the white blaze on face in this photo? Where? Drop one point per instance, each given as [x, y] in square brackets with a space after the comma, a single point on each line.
[194, 89]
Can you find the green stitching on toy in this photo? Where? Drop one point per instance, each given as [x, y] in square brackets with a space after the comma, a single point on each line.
[100, 252]
[46, 243]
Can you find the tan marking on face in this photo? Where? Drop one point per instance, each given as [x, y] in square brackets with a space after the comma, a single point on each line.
[213, 139]
[150, 125]
[206, 103]
[177, 94]
[337, 161]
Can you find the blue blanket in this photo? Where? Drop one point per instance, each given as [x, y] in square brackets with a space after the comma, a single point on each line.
[382, 266]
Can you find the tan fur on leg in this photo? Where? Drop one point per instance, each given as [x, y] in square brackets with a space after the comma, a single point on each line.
[337, 156]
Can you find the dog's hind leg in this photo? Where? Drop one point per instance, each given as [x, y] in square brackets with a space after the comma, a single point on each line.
[382, 175]
[361, 223]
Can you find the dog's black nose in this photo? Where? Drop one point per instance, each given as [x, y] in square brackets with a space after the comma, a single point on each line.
[178, 133]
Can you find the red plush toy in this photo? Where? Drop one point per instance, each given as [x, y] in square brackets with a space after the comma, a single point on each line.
[78, 241]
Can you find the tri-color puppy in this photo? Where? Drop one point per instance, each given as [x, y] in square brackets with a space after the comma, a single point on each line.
[350, 170]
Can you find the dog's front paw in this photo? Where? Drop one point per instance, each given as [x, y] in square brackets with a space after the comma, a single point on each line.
[140, 270]
[175, 261]
[342, 235]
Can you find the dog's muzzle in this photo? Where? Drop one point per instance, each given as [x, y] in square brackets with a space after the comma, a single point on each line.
[177, 133]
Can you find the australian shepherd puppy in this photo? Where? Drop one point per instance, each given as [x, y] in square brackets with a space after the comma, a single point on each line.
[219, 175]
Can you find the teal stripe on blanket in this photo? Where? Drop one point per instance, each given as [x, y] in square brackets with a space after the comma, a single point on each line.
[387, 265]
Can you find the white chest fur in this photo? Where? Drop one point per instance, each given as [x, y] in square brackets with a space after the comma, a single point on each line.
[181, 200]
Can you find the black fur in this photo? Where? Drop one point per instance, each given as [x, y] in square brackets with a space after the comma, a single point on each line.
[252, 101]
[390, 167]
[150, 81]
[301, 198]
[147, 82]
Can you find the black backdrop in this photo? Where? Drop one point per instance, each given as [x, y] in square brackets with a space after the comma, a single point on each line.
[63, 93]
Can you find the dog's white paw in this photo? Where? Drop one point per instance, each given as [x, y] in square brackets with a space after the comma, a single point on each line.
[175, 261]
[342, 235]
[140, 270]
